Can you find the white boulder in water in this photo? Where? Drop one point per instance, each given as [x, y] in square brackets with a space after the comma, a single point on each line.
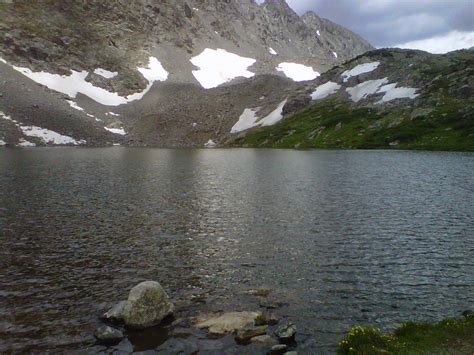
[147, 305]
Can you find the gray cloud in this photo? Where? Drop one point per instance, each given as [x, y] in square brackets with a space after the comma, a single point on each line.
[389, 22]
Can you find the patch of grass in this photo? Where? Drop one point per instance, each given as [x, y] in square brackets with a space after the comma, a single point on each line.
[452, 336]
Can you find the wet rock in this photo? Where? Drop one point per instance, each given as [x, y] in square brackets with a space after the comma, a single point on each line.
[262, 340]
[108, 335]
[244, 335]
[229, 322]
[278, 349]
[271, 318]
[124, 347]
[286, 332]
[147, 305]
[115, 314]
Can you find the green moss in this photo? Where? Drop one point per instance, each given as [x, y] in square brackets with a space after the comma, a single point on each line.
[452, 336]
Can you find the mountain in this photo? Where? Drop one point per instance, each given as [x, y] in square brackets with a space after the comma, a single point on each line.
[154, 72]
[388, 98]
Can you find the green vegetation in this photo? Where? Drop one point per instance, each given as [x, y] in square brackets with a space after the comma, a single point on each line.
[452, 336]
[449, 125]
[440, 118]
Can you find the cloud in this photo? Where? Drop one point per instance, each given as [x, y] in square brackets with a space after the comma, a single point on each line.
[442, 44]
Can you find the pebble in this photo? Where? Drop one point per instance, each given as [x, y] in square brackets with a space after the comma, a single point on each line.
[108, 334]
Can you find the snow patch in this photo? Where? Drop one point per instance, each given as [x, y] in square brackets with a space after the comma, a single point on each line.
[334, 54]
[297, 72]
[371, 87]
[393, 93]
[2, 143]
[210, 144]
[48, 136]
[318, 33]
[75, 83]
[360, 69]
[274, 117]
[365, 89]
[272, 51]
[119, 131]
[3, 61]
[249, 118]
[246, 120]
[75, 105]
[105, 73]
[218, 66]
[154, 71]
[8, 118]
[324, 90]
[25, 143]
[112, 114]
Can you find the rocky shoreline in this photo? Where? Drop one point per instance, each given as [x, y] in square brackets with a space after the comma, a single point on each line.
[148, 306]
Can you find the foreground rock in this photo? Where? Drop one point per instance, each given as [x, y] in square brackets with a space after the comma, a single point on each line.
[229, 322]
[286, 332]
[263, 340]
[147, 306]
[246, 334]
[108, 335]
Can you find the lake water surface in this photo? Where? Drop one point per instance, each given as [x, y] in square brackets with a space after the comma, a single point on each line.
[339, 237]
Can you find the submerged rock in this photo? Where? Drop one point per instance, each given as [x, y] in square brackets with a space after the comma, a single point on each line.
[278, 349]
[115, 314]
[263, 340]
[286, 332]
[267, 318]
[229, 322]
[108, 335]
[244, 335]
[147, 305]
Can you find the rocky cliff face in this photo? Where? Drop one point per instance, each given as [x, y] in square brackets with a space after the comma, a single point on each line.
[182, 58]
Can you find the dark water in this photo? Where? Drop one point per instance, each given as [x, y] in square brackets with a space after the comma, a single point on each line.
[341, 238]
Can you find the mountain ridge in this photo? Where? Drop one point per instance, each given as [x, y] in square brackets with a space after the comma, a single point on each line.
[112, 65]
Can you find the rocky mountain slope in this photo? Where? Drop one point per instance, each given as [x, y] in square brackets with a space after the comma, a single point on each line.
[388, 98]
[153, 72]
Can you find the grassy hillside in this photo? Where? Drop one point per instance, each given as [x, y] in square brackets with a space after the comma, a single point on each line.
[440, 118]
[448, 126]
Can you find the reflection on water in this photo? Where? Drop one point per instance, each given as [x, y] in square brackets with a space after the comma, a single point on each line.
[343, 237]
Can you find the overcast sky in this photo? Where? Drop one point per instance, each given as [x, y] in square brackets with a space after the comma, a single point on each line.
[433, 25]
